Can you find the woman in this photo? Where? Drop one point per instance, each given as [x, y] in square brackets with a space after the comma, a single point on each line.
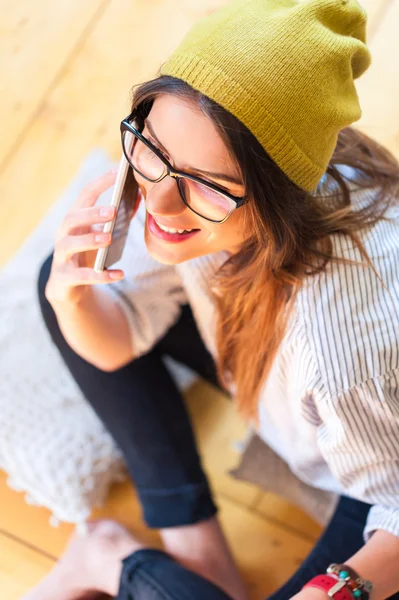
[285, 293]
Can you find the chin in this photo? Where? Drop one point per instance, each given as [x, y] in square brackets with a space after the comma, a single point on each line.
[164, 257]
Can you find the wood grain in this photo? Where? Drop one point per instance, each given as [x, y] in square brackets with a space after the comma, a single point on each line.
[267, 555]
[218, 428]
[21, 567]
[279, 510]
[37, 41]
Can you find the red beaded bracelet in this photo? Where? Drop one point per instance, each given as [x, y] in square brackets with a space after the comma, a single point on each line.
[360, 588]
[329, 584]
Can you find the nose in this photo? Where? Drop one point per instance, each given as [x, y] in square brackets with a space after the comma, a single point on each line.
[163, 198]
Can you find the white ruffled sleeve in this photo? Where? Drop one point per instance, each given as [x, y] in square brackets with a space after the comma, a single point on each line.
[359, 439]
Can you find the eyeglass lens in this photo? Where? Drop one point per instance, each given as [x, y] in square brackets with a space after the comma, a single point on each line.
[202, 199]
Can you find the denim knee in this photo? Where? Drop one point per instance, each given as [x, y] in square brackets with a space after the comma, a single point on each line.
[153, 575]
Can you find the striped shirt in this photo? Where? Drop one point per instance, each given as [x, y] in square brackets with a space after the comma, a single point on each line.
[330, 407]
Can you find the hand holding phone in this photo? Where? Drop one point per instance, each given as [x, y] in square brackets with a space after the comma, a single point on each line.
[77, 244]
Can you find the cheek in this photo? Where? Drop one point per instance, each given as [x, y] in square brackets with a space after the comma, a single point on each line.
[235, 227]
[227, 236]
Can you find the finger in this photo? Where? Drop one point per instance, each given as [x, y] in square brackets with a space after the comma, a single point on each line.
[71, 245]
[90, 193]
[86, 276]
[77, 219]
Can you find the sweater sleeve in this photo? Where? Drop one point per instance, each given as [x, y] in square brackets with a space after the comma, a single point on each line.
[359, 440]
[151, 293]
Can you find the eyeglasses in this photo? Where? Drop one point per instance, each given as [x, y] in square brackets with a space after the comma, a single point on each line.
[205, 199]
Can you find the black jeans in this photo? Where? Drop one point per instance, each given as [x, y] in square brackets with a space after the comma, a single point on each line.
[144, 411]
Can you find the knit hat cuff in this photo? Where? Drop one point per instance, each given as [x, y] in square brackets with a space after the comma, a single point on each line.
[225, 91]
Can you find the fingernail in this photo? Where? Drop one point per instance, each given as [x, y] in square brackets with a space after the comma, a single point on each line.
[114, 275]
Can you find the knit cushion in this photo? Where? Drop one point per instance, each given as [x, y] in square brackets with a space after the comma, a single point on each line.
[52, 444]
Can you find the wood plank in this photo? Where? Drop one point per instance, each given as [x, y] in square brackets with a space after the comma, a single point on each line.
[37, 39]
[375, 13]
[87, 106]
[20, 567]
[218, 427]
[266, 555]
[378, 88]
[280, 510]
[31, 523]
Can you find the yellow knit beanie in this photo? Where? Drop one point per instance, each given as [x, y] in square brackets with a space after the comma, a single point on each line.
[286, 70]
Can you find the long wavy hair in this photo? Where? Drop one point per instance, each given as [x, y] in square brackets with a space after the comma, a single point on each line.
[287, 235]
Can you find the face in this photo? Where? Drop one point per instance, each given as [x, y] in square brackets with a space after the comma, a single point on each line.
[192, 143]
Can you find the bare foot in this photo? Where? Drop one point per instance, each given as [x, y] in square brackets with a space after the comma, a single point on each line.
[91, 564]
[202, 548]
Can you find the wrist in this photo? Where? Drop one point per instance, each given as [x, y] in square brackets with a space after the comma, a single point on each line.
[311, 593]
[70, 300]
[342, 582]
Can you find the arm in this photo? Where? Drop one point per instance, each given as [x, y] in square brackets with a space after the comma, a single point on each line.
[366, 461]
[97, 330]
[377, 561]
[120, 321]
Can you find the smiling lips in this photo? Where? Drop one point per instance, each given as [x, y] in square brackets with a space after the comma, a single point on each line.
[171, 229]
[169, 234]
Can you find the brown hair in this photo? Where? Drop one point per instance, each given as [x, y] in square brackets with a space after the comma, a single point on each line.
[287, 236]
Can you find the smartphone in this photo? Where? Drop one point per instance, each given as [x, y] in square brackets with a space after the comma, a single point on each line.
[119, 226]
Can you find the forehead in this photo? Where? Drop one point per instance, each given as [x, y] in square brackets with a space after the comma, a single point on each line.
[189, 135]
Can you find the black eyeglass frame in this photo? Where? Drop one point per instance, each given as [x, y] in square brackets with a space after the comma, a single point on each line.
[235, 201]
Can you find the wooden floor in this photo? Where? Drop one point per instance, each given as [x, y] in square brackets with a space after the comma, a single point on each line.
[66, 74]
